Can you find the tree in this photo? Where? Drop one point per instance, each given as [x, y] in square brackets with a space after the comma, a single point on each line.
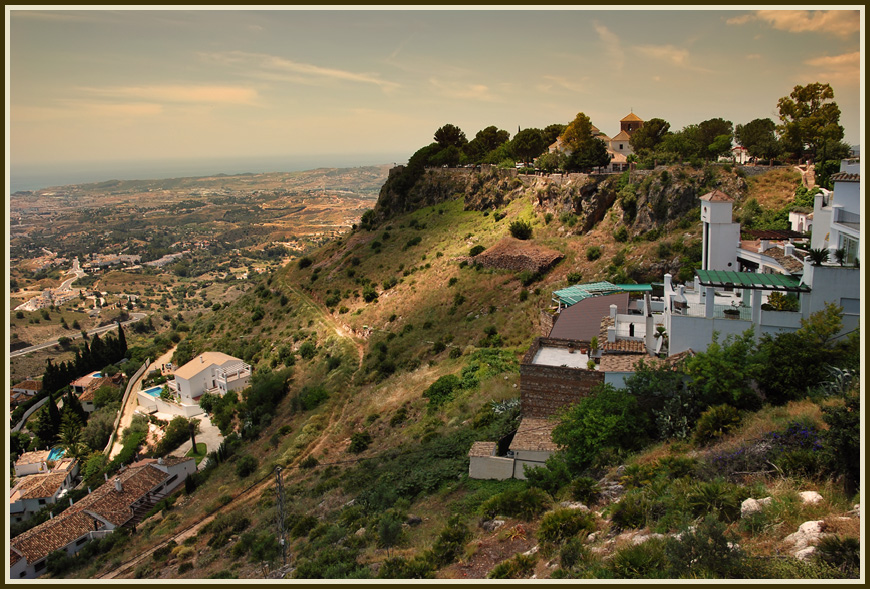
[552, 132]
[758, 137]
[842, 441]
[721, 374]
[607, 419]
[122, 342]
[650, 135]
[528, 144]
[450, 135]
[71, 436]
[713, 137]
[810, 118]
[550, 162]
[592, 154]
[577, 134]
[484, 142]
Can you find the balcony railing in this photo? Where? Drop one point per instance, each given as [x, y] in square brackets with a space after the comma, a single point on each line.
[719, 311]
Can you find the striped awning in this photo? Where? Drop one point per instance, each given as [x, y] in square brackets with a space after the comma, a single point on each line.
[750, 280]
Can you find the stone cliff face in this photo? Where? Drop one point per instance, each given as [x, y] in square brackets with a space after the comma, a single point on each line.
[642, 201]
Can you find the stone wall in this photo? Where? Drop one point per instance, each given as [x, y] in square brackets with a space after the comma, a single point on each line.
[544, 390]
[548, 320]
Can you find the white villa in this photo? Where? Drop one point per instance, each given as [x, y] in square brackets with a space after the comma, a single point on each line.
[210, 372]
[727, 299]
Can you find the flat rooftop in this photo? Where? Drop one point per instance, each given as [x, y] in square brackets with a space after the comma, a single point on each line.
[553, 356]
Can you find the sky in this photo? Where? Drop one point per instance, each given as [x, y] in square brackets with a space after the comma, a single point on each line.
[99, 88]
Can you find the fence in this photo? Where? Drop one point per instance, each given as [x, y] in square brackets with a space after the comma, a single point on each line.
[130, 384]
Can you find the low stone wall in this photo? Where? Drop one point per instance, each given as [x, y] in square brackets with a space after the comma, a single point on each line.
[544, 390]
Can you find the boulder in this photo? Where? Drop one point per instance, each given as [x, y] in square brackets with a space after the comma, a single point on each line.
[808, 533]
[750, 506]
[413, 520]
[810, 497]
[492, 525]
[573, 505]
[805, 553]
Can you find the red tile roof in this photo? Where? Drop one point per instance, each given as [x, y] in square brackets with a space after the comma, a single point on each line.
[38, 486]
[846, 177]
[717, 196]
[631, 117]
[29, 385]
[535, 434]
[482, 449]
[40, 541]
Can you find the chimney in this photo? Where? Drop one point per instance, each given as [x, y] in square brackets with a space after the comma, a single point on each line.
[160, 460]
[788, 249]
[613, 312]
[201, 360]
[70, 501]
[50, 515]
[106, 476]
[89, 490]
[118, 486]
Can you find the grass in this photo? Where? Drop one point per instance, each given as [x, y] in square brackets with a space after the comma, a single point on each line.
[199, 453]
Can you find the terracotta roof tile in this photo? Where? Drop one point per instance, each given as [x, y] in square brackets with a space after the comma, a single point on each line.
[535, 434]
[482, 449]
[790, 263]
[846, 177]
[114, 506]
[40, 541]
[621, 136]
[620, 362]
[620, 345]
[29, 385]
[38, 486]
[203, 361]
[631, 117]
[717, 196]
[33, 457]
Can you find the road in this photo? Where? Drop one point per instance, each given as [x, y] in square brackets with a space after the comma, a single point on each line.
[103, 329]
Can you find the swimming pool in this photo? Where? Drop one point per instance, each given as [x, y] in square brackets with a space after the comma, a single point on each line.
[153, 391]
[97, 375]
[56, 453]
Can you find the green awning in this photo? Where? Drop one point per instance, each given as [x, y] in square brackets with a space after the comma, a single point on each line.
[750, 280]
[576, 293]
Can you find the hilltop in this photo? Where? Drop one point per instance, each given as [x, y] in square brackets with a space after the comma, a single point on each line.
[349, 343]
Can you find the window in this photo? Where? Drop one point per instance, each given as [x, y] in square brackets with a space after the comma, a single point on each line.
[41, 502]
[39, 566]
[81, 540]
[851, 247]
[620, 146]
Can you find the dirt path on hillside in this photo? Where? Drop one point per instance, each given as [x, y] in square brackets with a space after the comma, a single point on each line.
[330, 321]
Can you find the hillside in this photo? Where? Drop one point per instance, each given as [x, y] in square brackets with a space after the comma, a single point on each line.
[348, 342]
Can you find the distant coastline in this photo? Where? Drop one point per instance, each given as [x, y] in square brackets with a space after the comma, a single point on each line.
[33, 178]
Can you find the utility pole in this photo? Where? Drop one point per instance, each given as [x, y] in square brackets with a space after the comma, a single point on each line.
[279, 492]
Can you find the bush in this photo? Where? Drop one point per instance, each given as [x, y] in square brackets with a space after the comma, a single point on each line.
[593, 252]
[714, 423]
[843, 554]
[630, 512]
[521, 229]
[246, 466]
[442, 390]
[520, 566]
[304, 262]
[621, 234]
[704, 551]
[716, 497]
[560, 525]
[525, 504]
[359, 442]
[476, 250]
[450, 542]
[585, 489]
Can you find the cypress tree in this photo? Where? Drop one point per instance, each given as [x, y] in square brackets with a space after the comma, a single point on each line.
[53, 414]
[71, 404]
[122, 342]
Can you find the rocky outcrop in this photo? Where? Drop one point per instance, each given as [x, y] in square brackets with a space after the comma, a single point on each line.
[642, 201]
[517, 255]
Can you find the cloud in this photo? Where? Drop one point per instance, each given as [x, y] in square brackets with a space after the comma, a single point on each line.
[578, 85]
[462, 91]
[843, 69]
[670, 54]
[612, 44]
[211, 95]
[835, 22]
[274, 68]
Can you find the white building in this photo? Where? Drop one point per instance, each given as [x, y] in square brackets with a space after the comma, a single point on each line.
[210, 372]
[728, 302]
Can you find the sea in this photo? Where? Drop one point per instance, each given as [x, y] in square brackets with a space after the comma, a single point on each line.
[36, 177]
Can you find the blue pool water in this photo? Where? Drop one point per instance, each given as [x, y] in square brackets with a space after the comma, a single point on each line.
[153, 391]
[97, 375]
[56, 453]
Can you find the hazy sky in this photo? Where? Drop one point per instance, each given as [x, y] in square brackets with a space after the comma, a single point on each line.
[103, 86]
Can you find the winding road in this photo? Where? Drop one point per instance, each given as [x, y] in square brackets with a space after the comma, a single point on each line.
[134, 317]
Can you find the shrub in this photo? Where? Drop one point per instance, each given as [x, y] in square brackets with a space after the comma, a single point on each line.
[246, 465]
[521, 229]
[643, 561]
[309, 462]
[714, 423]
[519, 567]
[560, 525]
[304, 262]
[621, 234]
[630, 512]
[401, 568]
[524, 504]
[442, 390]
[585, 489]
[450, 542]
[704, 551]
[476, 250]
[359, 442]
[716, 497]
[841, 553]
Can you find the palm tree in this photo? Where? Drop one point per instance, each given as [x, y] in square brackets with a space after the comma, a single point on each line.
[818, 256]
[840, 254]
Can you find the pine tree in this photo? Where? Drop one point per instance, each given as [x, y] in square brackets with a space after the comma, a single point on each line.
[72, 405]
